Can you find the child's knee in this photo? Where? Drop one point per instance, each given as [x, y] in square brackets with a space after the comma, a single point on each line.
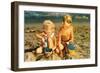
[39, 50]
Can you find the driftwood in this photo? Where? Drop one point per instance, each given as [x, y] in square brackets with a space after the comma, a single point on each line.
[30, 50]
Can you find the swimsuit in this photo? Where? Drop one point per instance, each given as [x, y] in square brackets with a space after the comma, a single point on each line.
[45, 46]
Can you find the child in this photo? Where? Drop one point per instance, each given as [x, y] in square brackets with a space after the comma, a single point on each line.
[66, 37]
[48, 39]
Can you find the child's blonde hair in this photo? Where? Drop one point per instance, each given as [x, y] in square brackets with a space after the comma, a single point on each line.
[67, 18]
[48, 23]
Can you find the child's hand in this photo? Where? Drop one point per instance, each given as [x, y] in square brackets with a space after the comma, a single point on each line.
[61, 47]
[57, 51]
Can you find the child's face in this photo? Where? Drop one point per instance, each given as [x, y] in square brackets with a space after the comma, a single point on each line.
[67, 20]
[48, 27]
[49, 30]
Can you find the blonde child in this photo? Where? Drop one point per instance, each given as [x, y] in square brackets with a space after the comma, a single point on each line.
[47, 37]
[66, 38]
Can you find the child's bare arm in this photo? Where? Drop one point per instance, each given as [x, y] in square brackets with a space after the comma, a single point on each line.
[39, 36]
[55, 43]
[60, 46]
[72, 35]
[59, 35]
[59, 39]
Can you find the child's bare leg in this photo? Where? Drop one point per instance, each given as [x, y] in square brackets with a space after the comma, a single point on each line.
[66, 56]
[39, 50]
[61, 54]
